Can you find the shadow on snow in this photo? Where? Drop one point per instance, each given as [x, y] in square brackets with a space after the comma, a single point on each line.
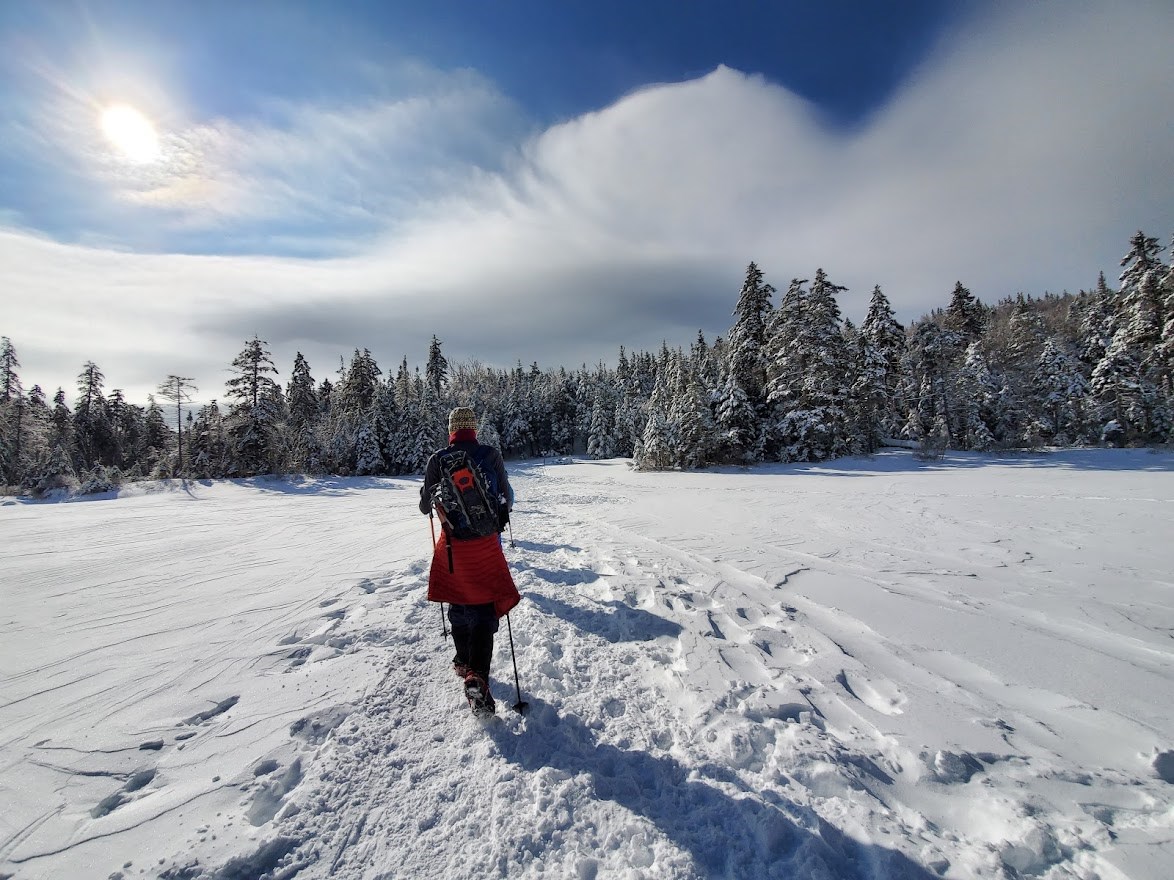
[904, 462]
[740, 834]
[621, 623]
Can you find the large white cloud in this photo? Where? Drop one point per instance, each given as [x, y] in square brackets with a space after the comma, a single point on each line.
[1019, 156]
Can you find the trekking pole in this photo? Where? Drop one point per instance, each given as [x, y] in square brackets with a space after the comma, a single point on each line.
[521, 706]
[443, 625]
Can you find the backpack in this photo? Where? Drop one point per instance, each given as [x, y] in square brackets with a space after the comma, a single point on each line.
[465, 503]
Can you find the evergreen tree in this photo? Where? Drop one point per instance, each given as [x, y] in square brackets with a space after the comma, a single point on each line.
[368, 457]
[62, 421]
[1144, 256]
[630, 417]
[1097, 323]
[356, 390]
[253, 418]
[965, 314]
[739, 434]
[601, 437]
[9, 379]
[978, 396]
[656, 450]
[385, 422]
[301, 395]
[1131, 383]
[156, 440]
[814, 422]
[742, 398]
[433, 425]
[436, 370]
[208, 443]
[305, 415]
[252, 382]
[882, 348]
[1166, 343]
[57, 473]
[931, 377]
[11, 414]
[31, 435]
[487, 432]
[693, 423]
[786, 352]
[516, 431]
[1060, 388]
[91, 423]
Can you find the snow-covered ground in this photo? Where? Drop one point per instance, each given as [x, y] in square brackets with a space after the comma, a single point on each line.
[869, 668]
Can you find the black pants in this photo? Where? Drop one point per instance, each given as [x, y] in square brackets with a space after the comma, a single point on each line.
[473, 628]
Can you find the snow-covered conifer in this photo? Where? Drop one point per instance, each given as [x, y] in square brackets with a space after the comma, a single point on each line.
[254, 417]
[814, 423]
[965, 314]
[747, 337]
[1060, 389]
[881, 349]
[9, 378]
[601, 436]
[92, 432]
[436, 370]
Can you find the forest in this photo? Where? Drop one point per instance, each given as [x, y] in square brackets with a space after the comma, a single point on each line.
[792, 380]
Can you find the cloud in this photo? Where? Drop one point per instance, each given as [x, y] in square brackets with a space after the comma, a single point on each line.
[310, 174]
[321, 166]
[1020, 156]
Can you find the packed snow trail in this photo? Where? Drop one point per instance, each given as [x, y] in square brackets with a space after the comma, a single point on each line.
[874, 668]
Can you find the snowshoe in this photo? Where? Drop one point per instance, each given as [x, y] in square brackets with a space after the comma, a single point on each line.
[478, 695]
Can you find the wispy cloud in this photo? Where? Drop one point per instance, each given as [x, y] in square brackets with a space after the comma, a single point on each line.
[1019, 157]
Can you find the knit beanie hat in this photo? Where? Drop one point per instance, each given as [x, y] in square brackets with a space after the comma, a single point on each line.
[462, 419]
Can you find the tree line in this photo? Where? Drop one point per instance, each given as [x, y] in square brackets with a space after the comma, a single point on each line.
[792, 381]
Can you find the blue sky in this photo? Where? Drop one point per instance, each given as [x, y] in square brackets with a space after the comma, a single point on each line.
[567, 176]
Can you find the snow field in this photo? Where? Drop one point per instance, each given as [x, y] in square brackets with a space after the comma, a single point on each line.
[870, 668]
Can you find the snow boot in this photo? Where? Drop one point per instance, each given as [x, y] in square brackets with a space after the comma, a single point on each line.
[478, 695]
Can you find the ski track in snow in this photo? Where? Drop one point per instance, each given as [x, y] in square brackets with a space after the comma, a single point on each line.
[864, 669]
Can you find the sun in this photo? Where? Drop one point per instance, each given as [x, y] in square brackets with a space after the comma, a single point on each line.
[130, 132]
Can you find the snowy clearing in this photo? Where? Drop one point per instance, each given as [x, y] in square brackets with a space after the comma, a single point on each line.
[867, 668]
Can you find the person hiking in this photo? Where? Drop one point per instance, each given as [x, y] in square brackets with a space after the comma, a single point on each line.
[469, 569]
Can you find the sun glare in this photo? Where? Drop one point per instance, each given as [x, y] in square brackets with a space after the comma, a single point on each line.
[131, 133]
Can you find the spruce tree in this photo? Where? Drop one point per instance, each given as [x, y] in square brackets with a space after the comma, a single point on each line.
[253, 419]
[301, 394]
[436, 370]
[977, 393]
[882, 348]
[747, 337]
[1144, 256]
[91, 422]
[9, 379]
[814, 424]
[742, 397]
[965, 314]
[601, 436]
[1059, 389]
[657, 448]
[693, 423]
[11, 414]
[62, 421]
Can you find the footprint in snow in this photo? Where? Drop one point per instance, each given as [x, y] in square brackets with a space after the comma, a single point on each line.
[138, 780]
[208, 714]
[880, 695]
